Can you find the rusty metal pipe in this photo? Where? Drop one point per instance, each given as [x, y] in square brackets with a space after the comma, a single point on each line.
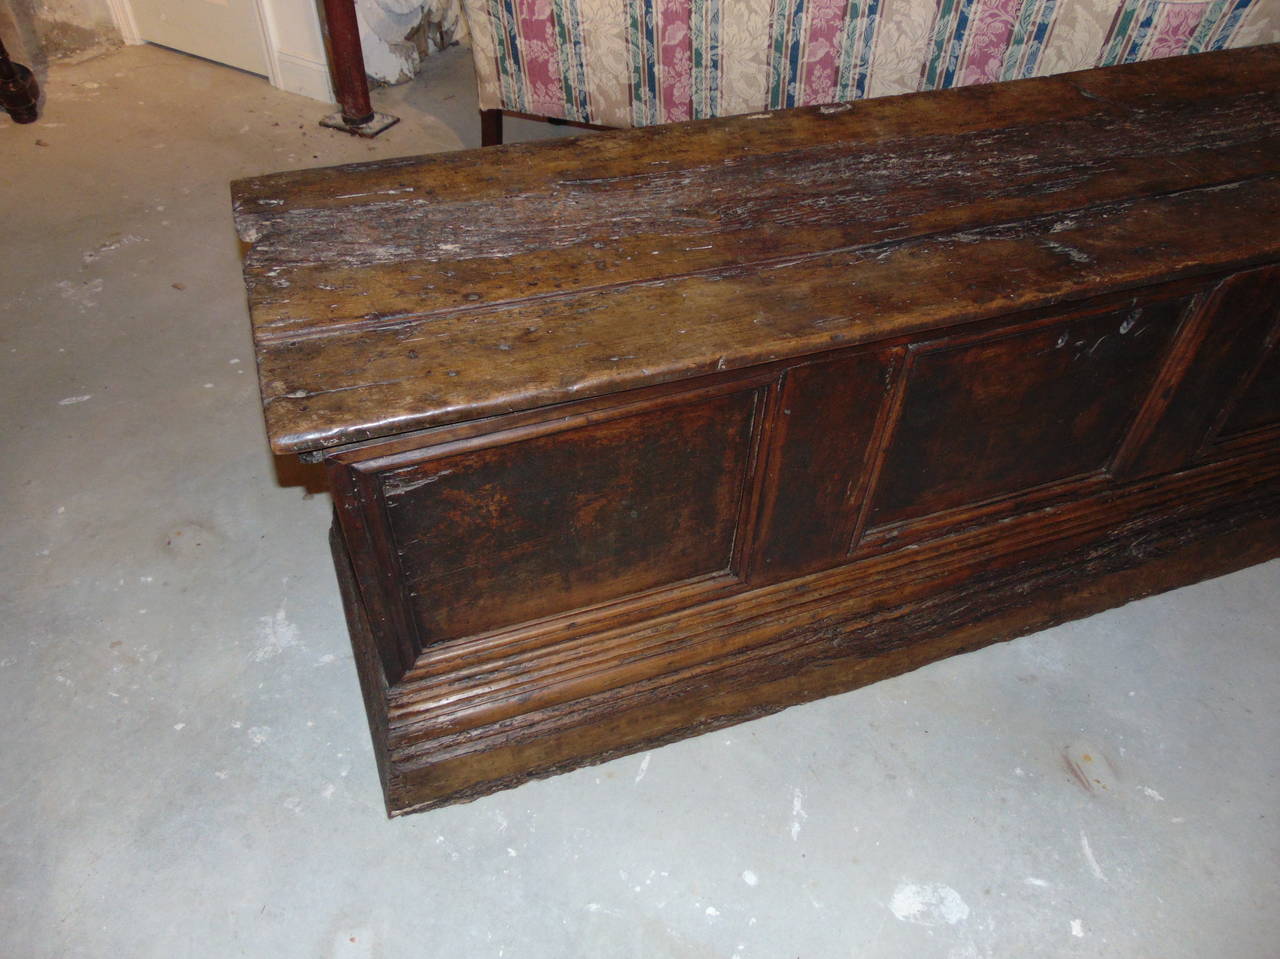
[347, 61]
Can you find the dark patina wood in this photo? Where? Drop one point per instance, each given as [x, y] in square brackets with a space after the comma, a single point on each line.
[637, 435]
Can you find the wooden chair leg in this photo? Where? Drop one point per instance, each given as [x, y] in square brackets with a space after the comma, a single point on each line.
[490, 128]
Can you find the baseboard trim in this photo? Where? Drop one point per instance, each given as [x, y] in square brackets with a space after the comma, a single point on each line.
[122, 16]
[304, 76]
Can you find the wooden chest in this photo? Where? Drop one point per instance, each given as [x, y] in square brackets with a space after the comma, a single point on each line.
[641, 434]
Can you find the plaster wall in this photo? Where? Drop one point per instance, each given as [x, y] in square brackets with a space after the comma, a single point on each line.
[395, 35]
[36, 31]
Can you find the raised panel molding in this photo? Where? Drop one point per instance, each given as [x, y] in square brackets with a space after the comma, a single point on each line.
[1004, 412]
[1226, 343]
[1257, 406]
[829, 423]
[539, 521]
[642, 434]
[497, 536]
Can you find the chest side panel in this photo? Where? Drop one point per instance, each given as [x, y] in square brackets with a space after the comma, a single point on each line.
[576, 581]
[1259, 407]
[995, 416]
[518, 527]
[828, 421]
[1224, 382]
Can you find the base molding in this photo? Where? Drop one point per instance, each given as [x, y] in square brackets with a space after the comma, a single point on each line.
[788, 649]
[304, 76]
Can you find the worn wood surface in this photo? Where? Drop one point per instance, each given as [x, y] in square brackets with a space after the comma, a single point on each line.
[990, 415]
[644, 434]
[572, 517]
[839, 656]
[431, 290]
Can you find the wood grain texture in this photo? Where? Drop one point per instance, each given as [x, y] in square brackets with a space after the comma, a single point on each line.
[829, 416]
[505, 533]
[431, 290]
[989, 417]
[636, 436]
[1228, 342]
[818, 636]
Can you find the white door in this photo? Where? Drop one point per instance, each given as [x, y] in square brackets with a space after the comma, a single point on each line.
[228, 31]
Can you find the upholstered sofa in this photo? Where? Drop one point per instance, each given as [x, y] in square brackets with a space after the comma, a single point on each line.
[621, 63]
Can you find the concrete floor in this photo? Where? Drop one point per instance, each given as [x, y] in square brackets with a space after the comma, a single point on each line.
[187, 770]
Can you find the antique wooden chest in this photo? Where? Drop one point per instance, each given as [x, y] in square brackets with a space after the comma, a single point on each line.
[640, 434]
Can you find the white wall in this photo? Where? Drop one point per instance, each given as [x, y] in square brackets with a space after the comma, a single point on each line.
[296, 56]
[295, 48]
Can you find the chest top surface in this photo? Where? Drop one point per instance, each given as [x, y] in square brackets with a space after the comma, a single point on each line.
[402, 294]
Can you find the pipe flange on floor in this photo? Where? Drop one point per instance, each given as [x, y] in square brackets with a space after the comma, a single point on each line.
[368, 128]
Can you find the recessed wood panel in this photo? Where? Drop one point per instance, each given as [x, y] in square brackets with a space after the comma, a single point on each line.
[1228, 342]
[826, 418]
[1259, 405]
[505, 534]
[988, 418]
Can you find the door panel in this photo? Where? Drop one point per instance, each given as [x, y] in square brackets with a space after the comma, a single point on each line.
[227, 31]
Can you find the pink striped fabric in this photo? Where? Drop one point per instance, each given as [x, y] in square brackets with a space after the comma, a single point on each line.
[1175, 29]
[625, 62]
[822, 51]
[675, 59]
[541, 56]
[989, 38]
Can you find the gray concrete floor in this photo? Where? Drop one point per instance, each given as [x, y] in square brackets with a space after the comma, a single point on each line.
[186, 766]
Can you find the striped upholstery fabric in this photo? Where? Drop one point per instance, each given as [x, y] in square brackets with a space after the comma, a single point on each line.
[638, 62]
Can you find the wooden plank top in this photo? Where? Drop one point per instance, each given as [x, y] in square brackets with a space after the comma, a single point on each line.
[397, 295]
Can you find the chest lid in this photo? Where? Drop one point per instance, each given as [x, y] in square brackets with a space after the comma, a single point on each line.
[397, 295]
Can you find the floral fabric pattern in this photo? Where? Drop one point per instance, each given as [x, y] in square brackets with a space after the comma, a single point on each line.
[640, 62]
